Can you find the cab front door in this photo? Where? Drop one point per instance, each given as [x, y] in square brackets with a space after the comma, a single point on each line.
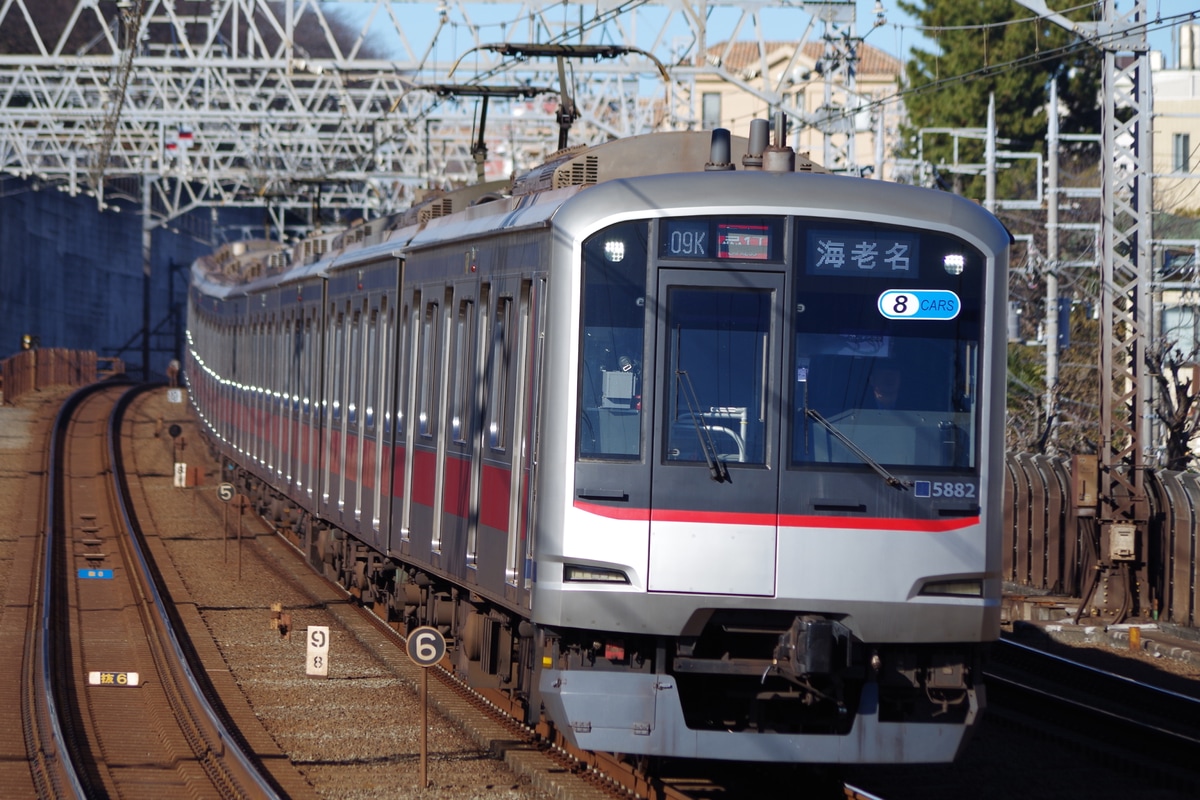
[715, 458]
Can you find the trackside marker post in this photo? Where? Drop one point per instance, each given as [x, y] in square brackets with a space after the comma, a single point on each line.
[318, 651]
[225, 493]
[426, 646]
[113, 679]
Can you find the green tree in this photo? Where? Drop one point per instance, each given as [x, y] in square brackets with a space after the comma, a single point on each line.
[995, 47]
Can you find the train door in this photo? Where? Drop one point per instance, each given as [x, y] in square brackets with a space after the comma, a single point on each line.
[716, 458]
[424, 474]
[310, 450]
[519, 550]
[459, 437]
[406, 409]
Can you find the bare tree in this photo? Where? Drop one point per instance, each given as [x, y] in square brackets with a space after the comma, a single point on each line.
[1175, 401]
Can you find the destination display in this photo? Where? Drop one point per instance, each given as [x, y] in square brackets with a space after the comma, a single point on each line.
[863, 254]
[743, 241]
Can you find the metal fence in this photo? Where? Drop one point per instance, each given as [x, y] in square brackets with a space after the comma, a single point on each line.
[1050, 535]
[31, 370]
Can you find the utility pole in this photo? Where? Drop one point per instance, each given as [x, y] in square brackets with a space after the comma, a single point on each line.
[1052, 264]
[989, 150]
[131, 24]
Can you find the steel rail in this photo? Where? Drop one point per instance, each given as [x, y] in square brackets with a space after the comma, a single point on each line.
[231, 767]
[54, 769]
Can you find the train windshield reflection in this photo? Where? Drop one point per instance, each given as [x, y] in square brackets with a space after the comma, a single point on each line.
[907, 401]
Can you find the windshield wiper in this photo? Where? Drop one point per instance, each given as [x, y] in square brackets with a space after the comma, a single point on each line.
[716, 467]
[891, 479]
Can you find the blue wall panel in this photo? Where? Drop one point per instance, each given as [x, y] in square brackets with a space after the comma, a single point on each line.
[73, 276]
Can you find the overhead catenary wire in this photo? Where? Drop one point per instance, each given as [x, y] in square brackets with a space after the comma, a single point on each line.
[991, 70]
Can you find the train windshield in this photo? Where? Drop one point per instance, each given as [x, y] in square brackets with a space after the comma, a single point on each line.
[881, 337]
[613, 338]
[886, 348]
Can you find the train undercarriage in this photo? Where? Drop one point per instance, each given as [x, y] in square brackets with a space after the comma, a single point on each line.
[737, 671]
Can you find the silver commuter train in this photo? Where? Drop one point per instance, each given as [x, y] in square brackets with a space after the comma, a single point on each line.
[690, 461]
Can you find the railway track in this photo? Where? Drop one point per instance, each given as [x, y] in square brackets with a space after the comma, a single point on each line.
[488, 716]
[109, 723]
[1056, 727]
[1055, 719]
[553, 766]
[113, 709]
[1137, 725]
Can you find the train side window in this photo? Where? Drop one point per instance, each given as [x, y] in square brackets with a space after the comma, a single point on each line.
[291, 353]
[427, 369]
[255, 393]
[387, 339]
[305, 344]
[283, 377]
[612, 342]
[464, 371]
[335, 394]
[236, 337]
[354, 368]
[499, 371]
[409, 334]
[371, 379]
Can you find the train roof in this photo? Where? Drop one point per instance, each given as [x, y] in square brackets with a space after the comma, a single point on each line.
[529, 211]
[343, 260]
[536, 196]
[808, 194]
[678, 164]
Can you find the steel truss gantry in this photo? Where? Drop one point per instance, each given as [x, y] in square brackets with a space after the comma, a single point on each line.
[284, 104]
[1117, 496]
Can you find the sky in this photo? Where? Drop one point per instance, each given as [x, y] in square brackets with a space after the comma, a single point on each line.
[898, 34]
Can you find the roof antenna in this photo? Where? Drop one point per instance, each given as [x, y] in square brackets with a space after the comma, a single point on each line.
[780, 157]
[760, 130]
[718, 152]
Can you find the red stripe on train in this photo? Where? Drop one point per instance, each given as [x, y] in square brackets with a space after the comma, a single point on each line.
[782, 520]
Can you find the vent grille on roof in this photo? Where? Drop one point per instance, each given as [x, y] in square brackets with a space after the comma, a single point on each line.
[579, 172]
[441, 207]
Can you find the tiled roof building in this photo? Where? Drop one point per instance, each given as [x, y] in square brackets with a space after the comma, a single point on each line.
[756, 81]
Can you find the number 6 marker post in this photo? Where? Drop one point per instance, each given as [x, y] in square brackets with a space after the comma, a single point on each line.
[426, 646]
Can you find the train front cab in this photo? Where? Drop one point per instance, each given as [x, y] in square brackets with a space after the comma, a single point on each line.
[787, 569]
